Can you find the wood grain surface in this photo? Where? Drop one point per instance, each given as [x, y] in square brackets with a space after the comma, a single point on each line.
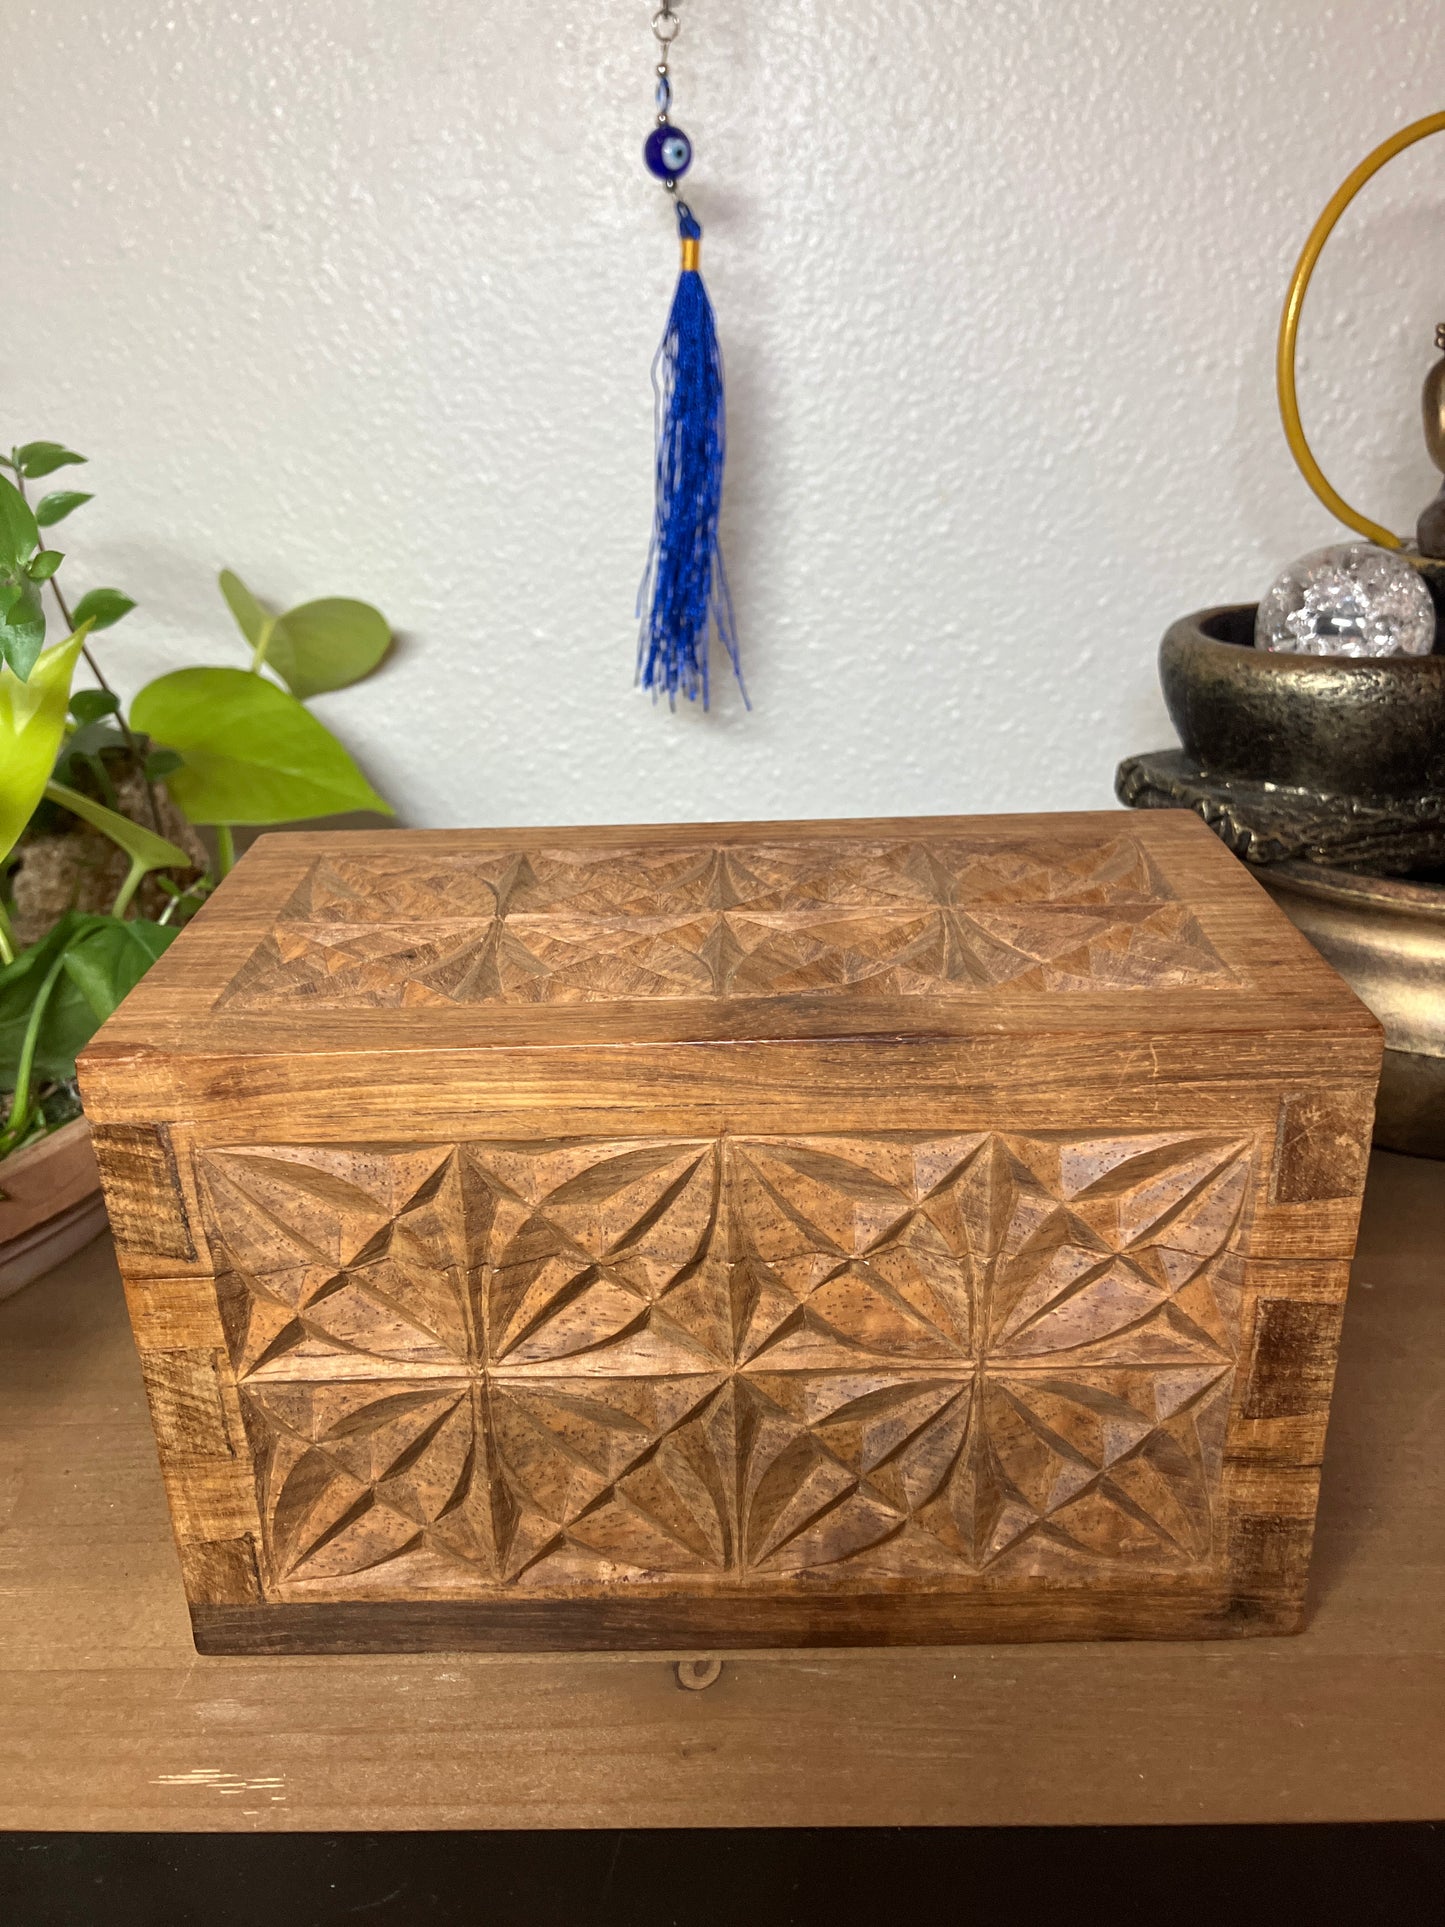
[108, 1719]
[825, 1233]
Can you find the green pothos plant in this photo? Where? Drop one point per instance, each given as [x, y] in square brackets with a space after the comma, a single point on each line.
[100, 796]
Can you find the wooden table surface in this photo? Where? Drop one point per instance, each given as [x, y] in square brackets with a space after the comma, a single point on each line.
[109, 1720]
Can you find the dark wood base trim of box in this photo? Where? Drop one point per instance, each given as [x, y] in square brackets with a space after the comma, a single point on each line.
[640, 1625]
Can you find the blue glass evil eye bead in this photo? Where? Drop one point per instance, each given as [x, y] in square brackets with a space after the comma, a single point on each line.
[668, 152]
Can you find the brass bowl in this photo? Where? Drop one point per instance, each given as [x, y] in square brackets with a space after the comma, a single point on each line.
[1342, 725]
[1386, 937]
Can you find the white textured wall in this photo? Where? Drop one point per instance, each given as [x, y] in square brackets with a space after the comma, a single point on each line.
[360, 297]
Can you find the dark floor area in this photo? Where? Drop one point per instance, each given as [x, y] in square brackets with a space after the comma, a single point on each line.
[1160, 1875]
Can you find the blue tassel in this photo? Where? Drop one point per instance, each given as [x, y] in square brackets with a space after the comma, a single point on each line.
[684, 593]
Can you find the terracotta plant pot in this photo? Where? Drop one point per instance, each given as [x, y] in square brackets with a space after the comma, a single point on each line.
[50, 1204]
[1339, 725]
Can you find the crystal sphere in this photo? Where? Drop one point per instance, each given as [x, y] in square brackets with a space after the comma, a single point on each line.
[1351, 600]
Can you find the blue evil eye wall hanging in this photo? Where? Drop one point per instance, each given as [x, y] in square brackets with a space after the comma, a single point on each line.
[668, 152]
[684, 602]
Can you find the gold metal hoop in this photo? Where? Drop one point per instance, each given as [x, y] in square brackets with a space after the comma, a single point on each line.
[1289, 326]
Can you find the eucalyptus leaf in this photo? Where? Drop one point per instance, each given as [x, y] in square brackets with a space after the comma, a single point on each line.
[140, 844]
[251, 618]
[43, 458]
[51, 509]
[19, 533]
[327, 644]
[89, 705]
[32, 722]
[41, 567]
[252, 754]
[102, 607]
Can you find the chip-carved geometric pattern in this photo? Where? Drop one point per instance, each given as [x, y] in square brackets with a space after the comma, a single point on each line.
[893, 918]
[967, 1359]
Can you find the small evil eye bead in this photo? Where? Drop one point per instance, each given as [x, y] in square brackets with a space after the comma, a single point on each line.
[668, 152]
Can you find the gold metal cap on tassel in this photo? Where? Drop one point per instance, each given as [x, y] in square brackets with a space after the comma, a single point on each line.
[691, 253]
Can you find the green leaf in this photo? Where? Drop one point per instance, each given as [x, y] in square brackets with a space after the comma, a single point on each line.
[19, 535]
[43, 458]
[32, 722]
[327, 645]
[41, 567]
[89, 705]
[107, 960]
[140, 844]
[51, 509]
[22, 618]
[162, 763]
[252, 753]
[86, 748]
[101, 607]
[251, 618]
[104, 959]
[22, 622]
[68, 1023]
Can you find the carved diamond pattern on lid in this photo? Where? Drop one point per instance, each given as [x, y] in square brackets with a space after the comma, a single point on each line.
[401, 890]
[510, 1365]
[568, 926]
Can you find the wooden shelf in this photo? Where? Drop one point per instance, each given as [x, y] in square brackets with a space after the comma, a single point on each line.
[108, 1719]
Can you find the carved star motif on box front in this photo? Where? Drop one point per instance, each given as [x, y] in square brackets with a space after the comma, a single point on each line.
[523, 1364]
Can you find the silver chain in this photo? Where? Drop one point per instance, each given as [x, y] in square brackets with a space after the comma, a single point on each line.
[665, 25]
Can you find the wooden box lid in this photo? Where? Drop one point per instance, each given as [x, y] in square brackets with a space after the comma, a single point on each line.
[477, 975]
[907, 926]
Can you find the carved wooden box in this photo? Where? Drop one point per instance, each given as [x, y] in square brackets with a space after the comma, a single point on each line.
[762, 1234]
